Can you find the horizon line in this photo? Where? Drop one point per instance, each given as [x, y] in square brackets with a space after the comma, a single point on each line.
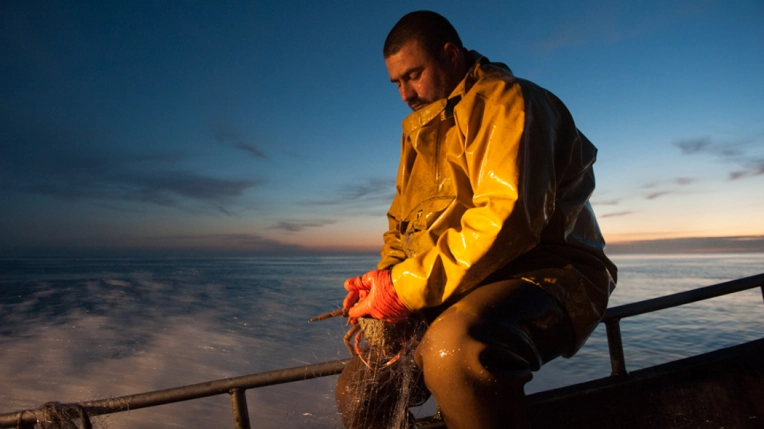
[686, 245]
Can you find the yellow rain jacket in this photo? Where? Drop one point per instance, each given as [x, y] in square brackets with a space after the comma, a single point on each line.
[494, 183]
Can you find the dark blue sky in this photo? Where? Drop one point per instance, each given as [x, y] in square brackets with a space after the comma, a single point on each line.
[240, 126]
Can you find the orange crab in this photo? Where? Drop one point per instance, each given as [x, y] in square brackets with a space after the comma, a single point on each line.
[354, 337]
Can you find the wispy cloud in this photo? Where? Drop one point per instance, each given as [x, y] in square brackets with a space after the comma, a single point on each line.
[370, 192]
[257, 153]
[682, 181]
[754, 167]
[611, 202]
[373, 188]
[690, 245]
[164, 188]
[616, 214]
[736, 154]
[237, 241]
[612, 22]
[227, 244]
[297, 226]
[692, 146]
[229, 136]
[685, 180]
[660, 188]
[654, 195]
[62, 163]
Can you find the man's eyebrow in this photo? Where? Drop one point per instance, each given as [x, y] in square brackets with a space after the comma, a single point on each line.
[406, 73]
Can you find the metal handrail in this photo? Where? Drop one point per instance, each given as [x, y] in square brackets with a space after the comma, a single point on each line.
[236, 386]
[614, 315]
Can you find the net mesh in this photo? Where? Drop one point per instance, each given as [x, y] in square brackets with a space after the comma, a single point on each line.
[55, 415]
[377, 389]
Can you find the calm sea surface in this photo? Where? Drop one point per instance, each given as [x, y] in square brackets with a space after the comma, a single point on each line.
[83, 329]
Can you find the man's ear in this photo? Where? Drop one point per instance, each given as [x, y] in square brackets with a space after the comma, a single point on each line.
[452, 54]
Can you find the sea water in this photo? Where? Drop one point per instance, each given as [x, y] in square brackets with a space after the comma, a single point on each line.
[84, 329]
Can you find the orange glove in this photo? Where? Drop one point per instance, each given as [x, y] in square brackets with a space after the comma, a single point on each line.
[373, 295]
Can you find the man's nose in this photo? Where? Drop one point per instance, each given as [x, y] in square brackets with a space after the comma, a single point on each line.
[408, 93]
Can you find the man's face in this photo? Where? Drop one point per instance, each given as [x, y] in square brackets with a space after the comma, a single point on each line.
[421, 79]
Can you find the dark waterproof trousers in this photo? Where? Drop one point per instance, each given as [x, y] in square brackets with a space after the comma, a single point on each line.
[475, 358]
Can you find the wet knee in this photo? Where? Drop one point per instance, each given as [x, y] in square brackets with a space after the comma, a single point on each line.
[461, 345]
[448, 346]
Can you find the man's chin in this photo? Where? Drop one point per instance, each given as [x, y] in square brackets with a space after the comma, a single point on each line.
[420, 103]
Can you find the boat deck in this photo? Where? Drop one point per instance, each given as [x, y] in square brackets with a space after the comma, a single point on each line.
[721, 389]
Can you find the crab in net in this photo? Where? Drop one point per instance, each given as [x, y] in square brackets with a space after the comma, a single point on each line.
[368, 336]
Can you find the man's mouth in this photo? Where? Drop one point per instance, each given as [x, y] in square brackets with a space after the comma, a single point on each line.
[418, 103]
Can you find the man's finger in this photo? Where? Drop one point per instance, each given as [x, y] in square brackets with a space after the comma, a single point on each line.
[350, 300]
[361, 309]
[354, 284]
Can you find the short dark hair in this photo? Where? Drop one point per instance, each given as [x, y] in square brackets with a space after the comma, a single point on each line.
[430, 29]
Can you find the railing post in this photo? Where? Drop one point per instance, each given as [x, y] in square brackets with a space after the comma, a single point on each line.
[615, 346]
[240, 411]
[21, 423]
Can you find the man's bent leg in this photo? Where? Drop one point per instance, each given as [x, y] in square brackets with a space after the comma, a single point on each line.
[479, 353]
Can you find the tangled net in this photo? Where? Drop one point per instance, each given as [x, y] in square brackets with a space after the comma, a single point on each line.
[392, 381]
[55, 415]
[376, 390]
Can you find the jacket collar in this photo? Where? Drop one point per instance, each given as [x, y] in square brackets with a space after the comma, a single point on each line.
[426, 114]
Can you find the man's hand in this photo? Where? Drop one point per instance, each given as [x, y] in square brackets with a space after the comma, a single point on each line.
[373, 295]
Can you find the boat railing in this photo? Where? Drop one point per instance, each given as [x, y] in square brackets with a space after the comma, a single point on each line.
[236, 387]
[614, 315]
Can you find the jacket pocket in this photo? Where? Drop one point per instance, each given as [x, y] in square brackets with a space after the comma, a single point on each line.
[420, 229]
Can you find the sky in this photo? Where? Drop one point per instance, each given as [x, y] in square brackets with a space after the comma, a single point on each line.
[233, 128]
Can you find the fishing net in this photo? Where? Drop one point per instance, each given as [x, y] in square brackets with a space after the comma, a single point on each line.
[379, 386]
[55, 415]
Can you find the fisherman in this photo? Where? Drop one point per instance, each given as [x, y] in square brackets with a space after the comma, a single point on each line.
[491, 236]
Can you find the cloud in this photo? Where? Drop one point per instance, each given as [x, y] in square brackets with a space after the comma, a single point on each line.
[191, 185]
[214, 244]
[685, 181]
[612, 202]
[736, 154]
[661, 188]
[45, 159]
[257, 153]
[300, 226]
[616, 214]
[690, 245]
[372, 191]
[228, 135]
[372, 188]
[693, 146]
[231, 244]
[654, 195]
[171, 245]
[239, 241]
[753, 168]
[611, 22]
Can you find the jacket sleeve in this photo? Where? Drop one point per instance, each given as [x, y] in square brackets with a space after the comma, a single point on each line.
[392, 250]
[500, 222]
